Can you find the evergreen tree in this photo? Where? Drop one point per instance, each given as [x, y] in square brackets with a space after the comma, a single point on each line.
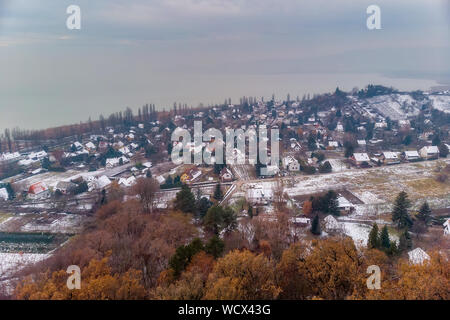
[215, 247]
[330, 203]
[424, 214]
[315, 226]
[185, 200]
[183, 255]
[443, 150]
[374, 240]
[250, 211]
[400, 214]
[405, 242]
[393, 249]
[218, 195]
[218, 219]
[385, 242]
[203, 206]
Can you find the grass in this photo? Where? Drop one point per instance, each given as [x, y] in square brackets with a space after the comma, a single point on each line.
[4, 216]
[428, 187]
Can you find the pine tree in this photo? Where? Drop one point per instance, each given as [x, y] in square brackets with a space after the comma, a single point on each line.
[218, 193]
[385, 242]
[374, 239]
[405, 241]
[250, 211]
[185, 200]
[215, 247]
[424, 213]
[315, 226]
[400, 213]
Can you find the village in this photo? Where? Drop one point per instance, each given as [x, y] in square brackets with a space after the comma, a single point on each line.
[366, 146]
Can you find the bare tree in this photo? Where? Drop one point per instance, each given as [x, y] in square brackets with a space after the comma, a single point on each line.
[146, 189]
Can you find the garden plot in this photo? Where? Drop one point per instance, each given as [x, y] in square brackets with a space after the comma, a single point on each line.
[20, 242]
[396, 107]
[51, 179]
[11, 263]
[53, 223]
[377, 187]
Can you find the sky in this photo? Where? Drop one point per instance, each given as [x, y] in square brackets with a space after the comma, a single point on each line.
[131, 52]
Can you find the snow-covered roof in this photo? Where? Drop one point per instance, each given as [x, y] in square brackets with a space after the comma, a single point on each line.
[103, 182]
[362, 142]
[127, 182]
[361, 157]
[331, 223]
[9, 156]
[300, 220]
[333, 144]
[160, 179]
[390, 155]
[418, 256]
[4, 194]
[90, 145]
[430, 149]
[147, 164]
[412, 154]
[343, 202]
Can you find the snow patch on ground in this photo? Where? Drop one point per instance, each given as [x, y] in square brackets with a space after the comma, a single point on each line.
[13, 262]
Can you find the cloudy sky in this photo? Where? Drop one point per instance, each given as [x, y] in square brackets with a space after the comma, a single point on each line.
[131, 52]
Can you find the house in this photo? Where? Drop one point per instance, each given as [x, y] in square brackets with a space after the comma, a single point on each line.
[160, 179]
[77, 146]
[390, 158]
[90, 146]
[259, 195]
[113, 162]
[38, 191]
[127, 182]
[226, 175]
[102, 182]
[295, 145]
[412, 155]
[66, 187]
[330, 223]
[9, 156]
[301, 222]
[290, 163]
[333, 144]
[190, 176]
[360, 159]
[429, 152]
[362, 143]
[344, 205]
[418, 256]
[4, 195]
[447, 227]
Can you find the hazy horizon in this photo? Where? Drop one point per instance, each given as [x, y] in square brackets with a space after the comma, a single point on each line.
[129, 53]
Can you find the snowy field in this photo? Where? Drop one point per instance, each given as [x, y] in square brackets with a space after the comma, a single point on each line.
[396, 106]
[54, 223]
[14, 262]
[441, 103]
[51, 179]
[375, 187]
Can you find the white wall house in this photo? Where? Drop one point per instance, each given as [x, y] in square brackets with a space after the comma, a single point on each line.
[429, 152]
